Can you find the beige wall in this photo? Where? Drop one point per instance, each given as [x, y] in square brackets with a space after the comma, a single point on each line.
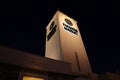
[53, 49]
[63, 45]
[71, 43]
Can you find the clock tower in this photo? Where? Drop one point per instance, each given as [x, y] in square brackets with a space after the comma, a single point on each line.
[64, 43]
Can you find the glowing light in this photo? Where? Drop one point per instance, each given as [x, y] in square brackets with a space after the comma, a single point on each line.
[32, 78]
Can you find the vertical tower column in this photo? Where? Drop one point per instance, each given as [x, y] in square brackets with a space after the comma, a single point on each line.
[65, 43]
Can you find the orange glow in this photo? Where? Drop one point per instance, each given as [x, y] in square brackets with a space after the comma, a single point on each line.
[32, 78]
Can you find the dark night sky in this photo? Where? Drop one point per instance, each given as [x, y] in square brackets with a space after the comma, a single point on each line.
[22, 26]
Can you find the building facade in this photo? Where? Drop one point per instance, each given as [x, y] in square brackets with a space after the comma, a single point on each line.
[65, 56]
[19, 65]
[64, 43]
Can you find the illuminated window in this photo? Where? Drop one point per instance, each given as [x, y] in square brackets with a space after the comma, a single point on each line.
[32, 78]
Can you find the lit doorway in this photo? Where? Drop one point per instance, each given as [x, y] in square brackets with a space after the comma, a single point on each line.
[32, 78]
